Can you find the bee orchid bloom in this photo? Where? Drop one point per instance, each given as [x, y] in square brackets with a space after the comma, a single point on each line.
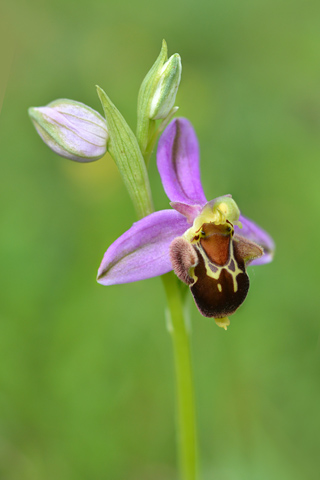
[207, 244]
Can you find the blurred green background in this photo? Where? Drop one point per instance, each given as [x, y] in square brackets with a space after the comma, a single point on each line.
[86, 377]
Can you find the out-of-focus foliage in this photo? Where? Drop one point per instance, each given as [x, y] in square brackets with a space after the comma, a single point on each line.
[86, 378]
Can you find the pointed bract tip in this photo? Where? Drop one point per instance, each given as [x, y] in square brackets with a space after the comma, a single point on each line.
[99, 89]
[164, 47]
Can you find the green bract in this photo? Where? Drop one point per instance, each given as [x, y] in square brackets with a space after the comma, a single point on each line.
[124, 149]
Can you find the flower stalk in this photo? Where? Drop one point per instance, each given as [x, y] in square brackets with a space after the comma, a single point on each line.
[177, 322]
[154, 134]
[186, 415]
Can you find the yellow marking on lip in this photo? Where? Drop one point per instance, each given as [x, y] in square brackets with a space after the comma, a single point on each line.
[219, 287]
[216, 274]
[193, 275]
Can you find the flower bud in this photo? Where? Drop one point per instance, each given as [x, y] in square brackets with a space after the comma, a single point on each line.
[71, 129]
[166, 89]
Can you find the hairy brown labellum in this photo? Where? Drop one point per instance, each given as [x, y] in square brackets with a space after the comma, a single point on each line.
[214, 266]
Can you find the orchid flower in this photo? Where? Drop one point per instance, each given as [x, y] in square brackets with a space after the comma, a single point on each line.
[207, 244]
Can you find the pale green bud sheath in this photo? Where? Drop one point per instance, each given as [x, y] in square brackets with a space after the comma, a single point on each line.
[71, 129]
[165, 93]
[161, 105]
[125, 151]
[145, 125]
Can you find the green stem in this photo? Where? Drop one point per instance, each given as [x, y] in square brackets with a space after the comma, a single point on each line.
[178, 327]
[154, 134]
